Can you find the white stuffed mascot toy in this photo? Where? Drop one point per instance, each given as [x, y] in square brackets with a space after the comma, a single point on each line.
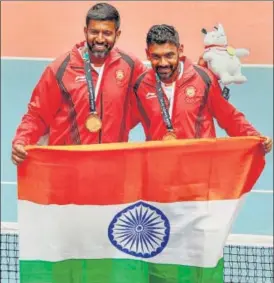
[221, 59]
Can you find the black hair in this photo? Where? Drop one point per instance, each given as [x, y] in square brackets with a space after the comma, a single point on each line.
[103, 12]
[160, 34]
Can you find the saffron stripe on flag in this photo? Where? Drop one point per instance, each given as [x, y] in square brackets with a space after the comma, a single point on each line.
[180, 171]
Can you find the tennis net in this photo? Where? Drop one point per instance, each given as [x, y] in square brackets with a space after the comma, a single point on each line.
[247, 258]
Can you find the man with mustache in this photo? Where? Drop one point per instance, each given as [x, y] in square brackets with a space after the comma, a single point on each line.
[83, 97]
[179, 100]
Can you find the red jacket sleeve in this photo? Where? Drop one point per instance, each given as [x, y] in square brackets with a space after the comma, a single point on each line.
[140, 68]
[44, 103]
[227, 116]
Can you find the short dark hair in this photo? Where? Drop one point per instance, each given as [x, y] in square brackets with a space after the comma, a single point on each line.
[160, 34]
[103, 12]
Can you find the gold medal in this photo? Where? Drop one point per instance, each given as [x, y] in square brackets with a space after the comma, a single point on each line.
[230, 50]
[93, 123]
[169, 136]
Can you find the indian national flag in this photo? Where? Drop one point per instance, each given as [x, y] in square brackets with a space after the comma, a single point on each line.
[155, 212]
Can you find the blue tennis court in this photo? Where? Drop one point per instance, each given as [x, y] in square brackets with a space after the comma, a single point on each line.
[255, 99]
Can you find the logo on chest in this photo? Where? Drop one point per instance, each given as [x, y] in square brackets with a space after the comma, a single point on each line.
[190, 91]
[80, 79]
[120, 75]
[191, 95]
[150, 95]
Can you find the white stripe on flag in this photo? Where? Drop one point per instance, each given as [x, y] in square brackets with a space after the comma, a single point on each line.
[198, 231]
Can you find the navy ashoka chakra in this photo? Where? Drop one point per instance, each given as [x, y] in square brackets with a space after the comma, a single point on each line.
[140, 230]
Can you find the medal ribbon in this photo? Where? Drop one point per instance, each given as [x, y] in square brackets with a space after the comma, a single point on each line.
[92, 93]
[165, 113]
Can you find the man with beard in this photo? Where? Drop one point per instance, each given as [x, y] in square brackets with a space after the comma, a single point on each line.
[178, 100]
[84, 96]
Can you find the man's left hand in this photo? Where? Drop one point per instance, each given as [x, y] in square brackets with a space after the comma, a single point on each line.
[267, 143]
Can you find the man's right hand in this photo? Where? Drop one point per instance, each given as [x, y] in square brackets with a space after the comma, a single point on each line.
[19, 154]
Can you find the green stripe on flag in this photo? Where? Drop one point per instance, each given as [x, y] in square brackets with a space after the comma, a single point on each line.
[115, 271]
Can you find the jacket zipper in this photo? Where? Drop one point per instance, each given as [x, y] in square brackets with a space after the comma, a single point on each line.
[101, 117]
[177, 89]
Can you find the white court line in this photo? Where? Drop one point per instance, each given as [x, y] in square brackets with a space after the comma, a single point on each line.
[146, 62]
[27, 58]
[254, 191]
[8, 183]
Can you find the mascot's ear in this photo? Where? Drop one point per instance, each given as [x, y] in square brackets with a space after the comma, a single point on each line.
[204, 31]
[220, 28]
